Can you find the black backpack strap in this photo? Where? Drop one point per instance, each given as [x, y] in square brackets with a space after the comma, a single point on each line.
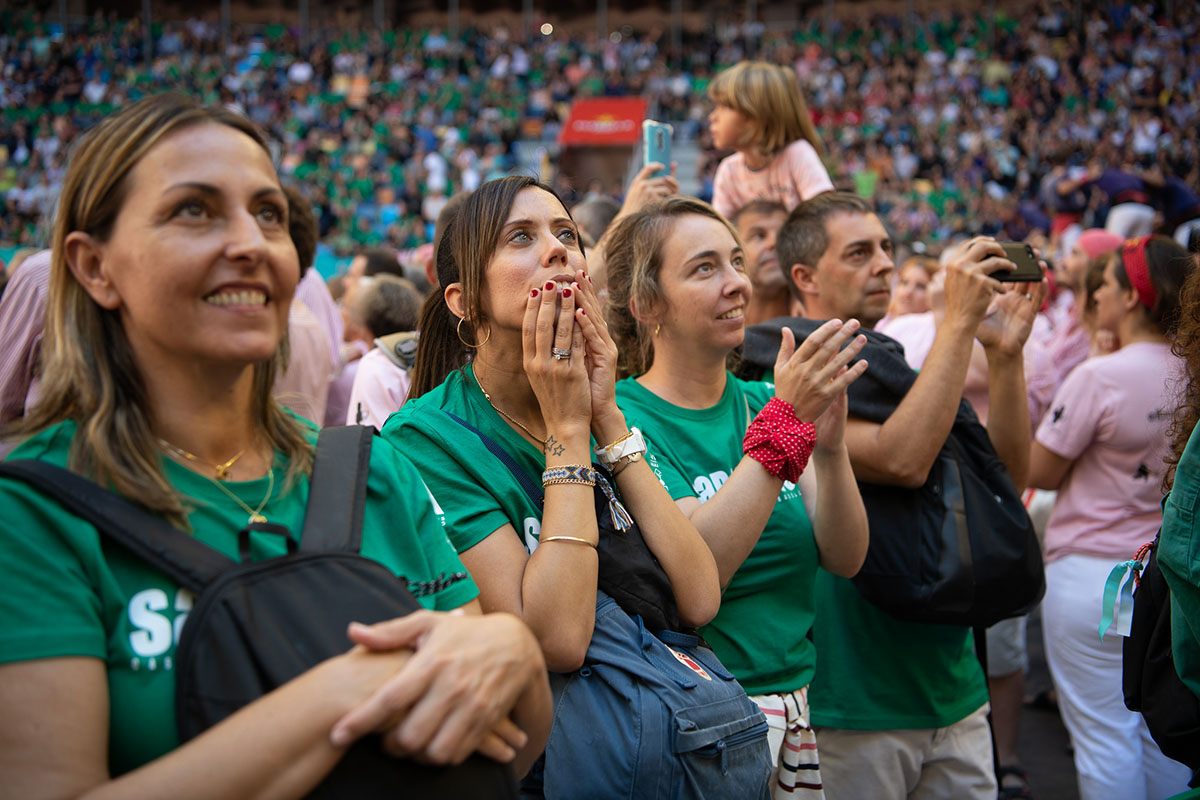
[333, 518]
[186, 561]
[536, 496]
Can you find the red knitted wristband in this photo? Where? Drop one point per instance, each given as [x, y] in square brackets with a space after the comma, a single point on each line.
[779, 441]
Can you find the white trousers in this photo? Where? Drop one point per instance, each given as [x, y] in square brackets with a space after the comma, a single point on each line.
[1114, 754]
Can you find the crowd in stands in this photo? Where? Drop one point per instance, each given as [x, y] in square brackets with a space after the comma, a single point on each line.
[950, 133]
[857, 173]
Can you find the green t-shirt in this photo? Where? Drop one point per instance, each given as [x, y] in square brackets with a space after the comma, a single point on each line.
[875, 672]
[1179, 560]
[476, 492]
[67, 592]
[761, 631]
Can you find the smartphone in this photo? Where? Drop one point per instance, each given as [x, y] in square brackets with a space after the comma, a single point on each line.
[656, 145]
[1022, 255]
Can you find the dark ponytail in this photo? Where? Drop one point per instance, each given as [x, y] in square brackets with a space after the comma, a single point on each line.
[439, 352]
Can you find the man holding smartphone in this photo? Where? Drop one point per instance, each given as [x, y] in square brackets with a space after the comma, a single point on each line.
[900, 706]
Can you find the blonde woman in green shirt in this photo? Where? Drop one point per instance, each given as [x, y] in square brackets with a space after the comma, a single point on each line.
[173, 269]
[731, 452]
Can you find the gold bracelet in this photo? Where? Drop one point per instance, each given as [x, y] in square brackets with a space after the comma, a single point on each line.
[574, 539]
[561, 481]
[620, 467]
[615, 442]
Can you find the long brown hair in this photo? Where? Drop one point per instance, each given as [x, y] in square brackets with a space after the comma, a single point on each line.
[89, 372]
[634, 261]
[469, 242]
[1187, 347]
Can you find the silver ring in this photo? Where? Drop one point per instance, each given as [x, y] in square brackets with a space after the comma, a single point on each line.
[560, 353]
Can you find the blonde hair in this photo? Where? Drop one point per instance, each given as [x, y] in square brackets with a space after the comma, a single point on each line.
[634, 261]
[89, 373]
[768, 96]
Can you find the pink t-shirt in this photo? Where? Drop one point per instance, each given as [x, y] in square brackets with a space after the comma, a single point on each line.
[796, 174]
[380, 388]
[915, 331]
[1111, 418]
[1065, 339]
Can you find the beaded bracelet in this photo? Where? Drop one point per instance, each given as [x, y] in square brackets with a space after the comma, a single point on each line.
[779, 441]
[569, 473]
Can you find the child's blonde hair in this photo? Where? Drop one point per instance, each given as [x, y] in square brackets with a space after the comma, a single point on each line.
[770, 98]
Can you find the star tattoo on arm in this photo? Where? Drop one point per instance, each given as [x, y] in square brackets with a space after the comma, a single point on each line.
[553, 448]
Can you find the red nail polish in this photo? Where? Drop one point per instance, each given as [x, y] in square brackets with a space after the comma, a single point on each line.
[566, 292]
[589, 278]
[534, 293]
[581, 311]
[549, 285]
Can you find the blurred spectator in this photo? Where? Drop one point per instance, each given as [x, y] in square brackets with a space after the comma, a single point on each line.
[22, 312]
[757, 223]
[594, 214]
[388, 306]
[304, 385]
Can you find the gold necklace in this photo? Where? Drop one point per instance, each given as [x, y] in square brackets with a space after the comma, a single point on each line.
[255, 513]
[498, 410]
[222, 470]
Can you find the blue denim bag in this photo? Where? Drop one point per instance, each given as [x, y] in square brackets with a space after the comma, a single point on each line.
[654, 717]
[651, 715]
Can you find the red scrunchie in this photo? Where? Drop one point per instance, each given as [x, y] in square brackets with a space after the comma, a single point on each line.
[779, 441]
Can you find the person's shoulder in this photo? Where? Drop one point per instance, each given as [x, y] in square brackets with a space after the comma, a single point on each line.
[629, 388]
[52, 444]
[376, 362]
[426, 413]
[731, 164]
[800, 151]
[751, 394]
[1122, 368]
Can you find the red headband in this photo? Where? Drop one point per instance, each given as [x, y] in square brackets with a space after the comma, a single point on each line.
[1133, 253]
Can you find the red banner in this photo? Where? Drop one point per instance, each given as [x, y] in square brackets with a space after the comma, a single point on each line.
[605, 121]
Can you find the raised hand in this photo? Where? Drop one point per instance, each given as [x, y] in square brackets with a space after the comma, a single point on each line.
[560, 383]
[601, 351]
[812, 376]
[1010, 317]
[969, 287]
[831, 425]
[646, 189]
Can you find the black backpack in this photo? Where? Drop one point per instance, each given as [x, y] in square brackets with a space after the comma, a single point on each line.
[628, 571]
[256, 625]
[959, 550]
[1150, 682]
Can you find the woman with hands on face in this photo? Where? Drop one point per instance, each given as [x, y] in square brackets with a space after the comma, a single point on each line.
[733, 453]
[516, 347]
[173, 269]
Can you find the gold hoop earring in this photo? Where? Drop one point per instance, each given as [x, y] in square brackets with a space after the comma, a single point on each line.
[461, 320]
[658, 329]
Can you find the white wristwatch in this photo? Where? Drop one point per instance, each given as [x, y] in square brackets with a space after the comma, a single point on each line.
[632, 447]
